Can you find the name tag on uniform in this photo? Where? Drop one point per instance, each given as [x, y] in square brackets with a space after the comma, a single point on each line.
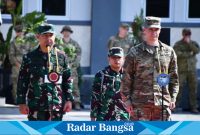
[163, 79]
[53, 77]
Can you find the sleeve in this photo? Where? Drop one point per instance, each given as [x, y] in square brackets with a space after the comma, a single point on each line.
[174, 80]
[96, 95]
[67, 82]
[194, 47]
[12, 56]
[179, 52]
[110, 43]
[23, 80]
[128, 79]
[78, 54]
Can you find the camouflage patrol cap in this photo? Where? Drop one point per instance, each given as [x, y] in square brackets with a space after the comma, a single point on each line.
[152, 22]
[116, 51]
[124, 25]
[46, 28]
[66, 28]
[186, 31]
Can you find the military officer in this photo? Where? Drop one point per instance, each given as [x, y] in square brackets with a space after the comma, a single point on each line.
[106, 103]
[74, 61]
[121, 39]
[44, 89]
[145, 97]
[17, 49]
[186, 50]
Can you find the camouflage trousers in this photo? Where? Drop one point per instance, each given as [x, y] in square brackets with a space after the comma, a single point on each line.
[76, 91]
[190, 78]
[150, 113]
[14, 79]
[44, 115]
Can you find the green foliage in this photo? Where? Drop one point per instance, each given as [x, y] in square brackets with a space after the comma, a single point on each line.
[32, 20]
[29, 22]
[137, 27]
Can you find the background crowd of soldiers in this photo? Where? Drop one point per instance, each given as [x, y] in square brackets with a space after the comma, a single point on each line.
[186, 51]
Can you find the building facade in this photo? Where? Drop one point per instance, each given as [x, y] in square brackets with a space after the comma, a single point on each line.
[94, 21]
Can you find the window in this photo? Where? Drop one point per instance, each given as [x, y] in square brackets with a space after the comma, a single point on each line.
[159, 8]
[194, 10]
[54, 7]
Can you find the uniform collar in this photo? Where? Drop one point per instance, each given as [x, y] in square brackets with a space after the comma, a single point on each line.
[112, 71]
[150, 49]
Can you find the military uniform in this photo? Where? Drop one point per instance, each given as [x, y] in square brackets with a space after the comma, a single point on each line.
[44, 81]
[116, 41]
[186, 56]
[106, 103]
[43, 97]
[74, 59]
[74, 63]
[139, 85]
[17, 49]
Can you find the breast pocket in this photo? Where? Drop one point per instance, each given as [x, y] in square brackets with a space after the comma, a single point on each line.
[108, 86]
[37, 72]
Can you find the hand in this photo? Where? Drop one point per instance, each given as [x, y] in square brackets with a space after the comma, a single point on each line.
[172, 105]
[67, 106]
[24, 109]
[93, 119]
[129, 109]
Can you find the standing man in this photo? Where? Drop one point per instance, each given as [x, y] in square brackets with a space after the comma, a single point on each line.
[17, 49]
[145, 99]
[186, 50]
[44, 80]
[106, 103]
[74, 61]
[121, 39]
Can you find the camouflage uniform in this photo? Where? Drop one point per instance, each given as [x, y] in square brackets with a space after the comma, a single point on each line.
[186, 56]
[45, 100]
[17, 49]
[125, 43]
[139, 85]
[106, 103]
[74, 63]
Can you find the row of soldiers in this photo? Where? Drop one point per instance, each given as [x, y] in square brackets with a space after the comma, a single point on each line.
[143, 86]
[20, 45]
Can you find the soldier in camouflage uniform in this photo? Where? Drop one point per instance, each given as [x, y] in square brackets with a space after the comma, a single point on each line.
[121, 39]
[17, 49]
[186, 50]
[44, 89]
[74, 61]
[140, 90]
[106, 103]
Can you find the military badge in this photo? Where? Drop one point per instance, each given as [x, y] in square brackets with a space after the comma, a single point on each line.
[163, 79]
[53, 77]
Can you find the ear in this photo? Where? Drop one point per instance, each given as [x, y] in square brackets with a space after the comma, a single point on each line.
[108, 58]
[37, 36]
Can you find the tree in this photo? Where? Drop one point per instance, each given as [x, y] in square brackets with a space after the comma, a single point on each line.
[137, 27]
[29, 22]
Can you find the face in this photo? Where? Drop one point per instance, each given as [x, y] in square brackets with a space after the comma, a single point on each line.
[186, 38]
[123, 31]
[66, 34]
[151, 34]
[116, 62]
[47, 38]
